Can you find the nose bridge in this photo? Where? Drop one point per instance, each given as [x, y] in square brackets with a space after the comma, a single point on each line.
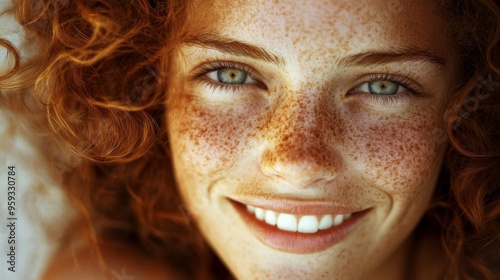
[296, 146]
[297, 136]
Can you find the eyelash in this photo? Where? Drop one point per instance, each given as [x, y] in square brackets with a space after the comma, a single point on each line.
[218, 65]
[387, 100]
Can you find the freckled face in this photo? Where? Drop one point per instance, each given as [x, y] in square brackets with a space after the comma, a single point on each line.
[339, 107]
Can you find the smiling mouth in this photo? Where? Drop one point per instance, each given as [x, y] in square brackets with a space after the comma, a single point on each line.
[298, 223]
[298, 227]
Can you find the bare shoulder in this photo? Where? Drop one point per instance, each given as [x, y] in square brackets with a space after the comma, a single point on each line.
[120, 263]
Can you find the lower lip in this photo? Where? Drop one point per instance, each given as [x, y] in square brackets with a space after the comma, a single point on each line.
[296, 242]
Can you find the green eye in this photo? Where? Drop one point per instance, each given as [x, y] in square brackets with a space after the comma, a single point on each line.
[383, 87]
[231, 76]
[226, 76]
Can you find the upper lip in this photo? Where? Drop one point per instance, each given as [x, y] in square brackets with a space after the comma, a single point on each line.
[300, 206]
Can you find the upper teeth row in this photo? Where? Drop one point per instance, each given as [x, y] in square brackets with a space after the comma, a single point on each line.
[305, 224]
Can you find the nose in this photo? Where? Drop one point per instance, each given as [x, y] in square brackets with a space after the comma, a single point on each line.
[299, 145]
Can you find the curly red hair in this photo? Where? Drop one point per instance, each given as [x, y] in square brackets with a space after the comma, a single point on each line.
[102, 75]
[468, 195]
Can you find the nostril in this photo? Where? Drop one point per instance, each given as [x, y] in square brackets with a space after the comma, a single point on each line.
[300, 159]
[298, 174]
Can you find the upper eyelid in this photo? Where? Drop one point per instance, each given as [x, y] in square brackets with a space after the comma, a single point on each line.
[398, 84]
[213, 65]
[402, 80]
[204, 68]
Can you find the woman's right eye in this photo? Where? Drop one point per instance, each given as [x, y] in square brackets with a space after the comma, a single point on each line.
[230, 76]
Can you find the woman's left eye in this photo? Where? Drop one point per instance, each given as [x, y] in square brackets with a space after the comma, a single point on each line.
[381, 87]
[230, 76]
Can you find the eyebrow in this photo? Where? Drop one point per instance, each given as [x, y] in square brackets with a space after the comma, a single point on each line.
[398, 55]
[234, 47]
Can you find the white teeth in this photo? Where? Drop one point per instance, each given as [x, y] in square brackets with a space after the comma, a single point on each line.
[250, 209]
[303, 224]
[308, 224]
[270, 217]
[338, 220]
[259, 213]
[326, 222]
[287, 222]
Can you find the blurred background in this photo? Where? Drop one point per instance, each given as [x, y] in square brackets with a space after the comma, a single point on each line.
[41, 209]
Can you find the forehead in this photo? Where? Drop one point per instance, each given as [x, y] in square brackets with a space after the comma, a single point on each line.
[345, 26]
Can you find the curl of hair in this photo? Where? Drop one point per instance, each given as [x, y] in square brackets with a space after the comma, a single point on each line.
[468, 204]
[101, 73]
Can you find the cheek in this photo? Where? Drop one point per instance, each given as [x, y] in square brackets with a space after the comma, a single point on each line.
[399, 154]
[208, 140]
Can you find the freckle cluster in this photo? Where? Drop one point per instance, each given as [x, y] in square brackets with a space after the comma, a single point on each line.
[299, 130]
[403, 143]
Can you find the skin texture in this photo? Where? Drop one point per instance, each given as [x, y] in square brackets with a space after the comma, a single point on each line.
[307, 131]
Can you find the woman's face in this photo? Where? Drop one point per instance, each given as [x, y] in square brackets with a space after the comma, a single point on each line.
[324, 118]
